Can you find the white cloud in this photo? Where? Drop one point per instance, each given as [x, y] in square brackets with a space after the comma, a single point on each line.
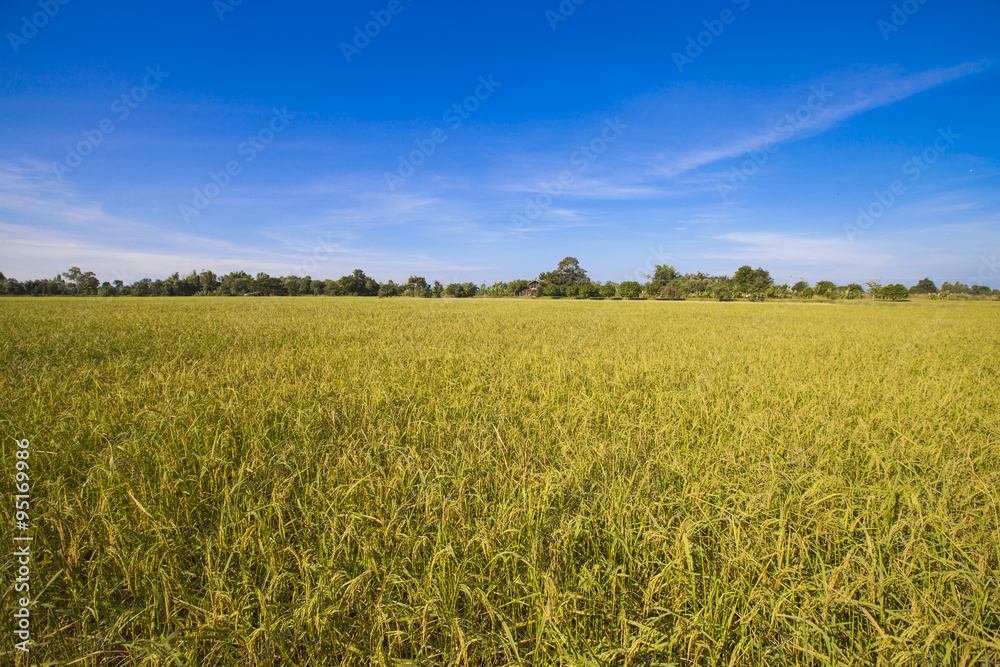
[900, 256]
[876, 89]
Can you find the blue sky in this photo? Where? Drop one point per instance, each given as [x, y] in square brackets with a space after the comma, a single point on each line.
[147, 138]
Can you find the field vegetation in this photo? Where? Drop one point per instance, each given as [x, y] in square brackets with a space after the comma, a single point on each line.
[327, 481]
[568, 280]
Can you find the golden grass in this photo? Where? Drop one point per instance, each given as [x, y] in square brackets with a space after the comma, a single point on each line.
[326, 481]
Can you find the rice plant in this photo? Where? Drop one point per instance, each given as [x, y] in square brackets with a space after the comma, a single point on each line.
[336, 481]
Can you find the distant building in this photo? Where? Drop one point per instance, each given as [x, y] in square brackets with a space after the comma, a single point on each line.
[533, 287]
[255, 294]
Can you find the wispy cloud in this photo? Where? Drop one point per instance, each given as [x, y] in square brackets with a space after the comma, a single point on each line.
[871, 91]
[911, 254]
[29, 190]
[796, 249]
[48, 225]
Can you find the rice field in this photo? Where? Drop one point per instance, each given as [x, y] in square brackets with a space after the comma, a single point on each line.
[337, 481]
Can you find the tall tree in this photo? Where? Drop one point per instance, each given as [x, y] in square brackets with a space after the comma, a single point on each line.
[630, 289]
[417, 286]
[924, 286]
[754, 282]
[569, 272]
[208, 282]
[874, 286]
[357, 284]
[895, 292]
[824, 286]
[81, 282]
[664, 273]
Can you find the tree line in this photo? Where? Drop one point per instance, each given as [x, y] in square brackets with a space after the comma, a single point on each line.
[567, 280]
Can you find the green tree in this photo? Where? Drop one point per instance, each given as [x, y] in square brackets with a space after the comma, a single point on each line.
[290, 285]
[265, 283]
[895, 292]
[665, 274]
[89, 283]
[186, 286]
[752, 282]
[416, 285]
[356, 284]
[630, 289]
[497, 289]
[515, 287]
[390, 289]
[924, 286]
[72, 278]
[236, 283]
[874, 286]
[672, 293]
[208, 282]
[568, 272]
[554, 290]
[81, 282]
[824, 286]
[609, 289]
[461, 290]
